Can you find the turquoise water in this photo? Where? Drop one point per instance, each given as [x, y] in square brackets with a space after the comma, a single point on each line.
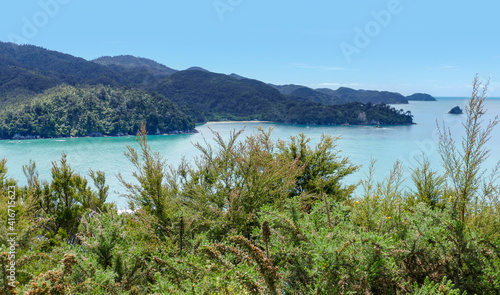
[359, 143]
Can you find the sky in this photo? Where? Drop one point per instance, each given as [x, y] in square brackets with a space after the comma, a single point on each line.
[406, 46]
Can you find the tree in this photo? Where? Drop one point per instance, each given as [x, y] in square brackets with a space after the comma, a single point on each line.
[234, 179]
[152, 194]
[323, 168]
[429, 186]
[62, 202]
[463, 165]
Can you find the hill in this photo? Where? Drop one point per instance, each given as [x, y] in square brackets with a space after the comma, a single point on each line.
[313, 95]
[66, 111]
[27, 70]
[218, 96]
[198, 69]
[287, 89]
[129, 61]
[222, 97]
[18, 83]
[342, 95]
[346, 95]
[236, 76]
[421, 97]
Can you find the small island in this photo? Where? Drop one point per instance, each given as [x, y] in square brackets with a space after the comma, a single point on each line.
[456, 111]
[421, 97]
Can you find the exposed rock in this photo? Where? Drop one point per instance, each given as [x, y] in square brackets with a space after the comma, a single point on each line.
[456, 111]
[362, 116]
[18, 136]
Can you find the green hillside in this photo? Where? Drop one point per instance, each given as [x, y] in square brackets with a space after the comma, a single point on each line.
[92, 111]
[218, 96]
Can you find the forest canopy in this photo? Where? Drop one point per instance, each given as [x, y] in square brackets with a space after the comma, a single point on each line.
[67, 111]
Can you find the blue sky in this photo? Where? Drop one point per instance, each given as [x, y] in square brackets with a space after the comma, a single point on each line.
[398, 45]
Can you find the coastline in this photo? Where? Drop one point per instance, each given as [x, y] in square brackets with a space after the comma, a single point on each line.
[30, 137]
[193, 131]
[235, 121]
[376, 123]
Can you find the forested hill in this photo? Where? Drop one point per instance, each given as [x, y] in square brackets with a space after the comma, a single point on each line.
[29, 73]
[341, 95]
[93, 111]
[222, 97]
[27, 70]
[136, 71]
[129, 61]
[219, 96]
[421, 97]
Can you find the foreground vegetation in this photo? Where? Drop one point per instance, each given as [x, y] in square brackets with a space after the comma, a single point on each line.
[257, 216]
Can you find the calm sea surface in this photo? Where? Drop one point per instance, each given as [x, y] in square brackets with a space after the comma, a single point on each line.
[360, 143]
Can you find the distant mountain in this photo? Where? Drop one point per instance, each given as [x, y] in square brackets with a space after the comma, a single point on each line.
[129, 61]
[236, 76]
[313, 95]
[136, 71]
[18, 83]
[342, 95]
[55, 65]
[219, 96]
[345, 95]
[26, 70]
[287, 89]
[421, 97]
[197, 69]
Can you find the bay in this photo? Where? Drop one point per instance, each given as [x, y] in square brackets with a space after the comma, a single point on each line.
[361, 144]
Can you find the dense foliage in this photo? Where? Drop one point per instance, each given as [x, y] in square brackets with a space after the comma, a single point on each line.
[353, 113]
[92, 111]
[218, 96]
[345, 95]
[27, 70]
[258, 216]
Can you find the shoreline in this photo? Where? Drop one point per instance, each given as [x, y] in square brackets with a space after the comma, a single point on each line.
[306, 124]
[194, 131]
[35, 137]
[235, 121]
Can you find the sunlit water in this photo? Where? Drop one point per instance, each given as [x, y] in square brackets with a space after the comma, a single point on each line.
[360, 143]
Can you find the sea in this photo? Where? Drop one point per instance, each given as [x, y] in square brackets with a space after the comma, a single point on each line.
[361, 144]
